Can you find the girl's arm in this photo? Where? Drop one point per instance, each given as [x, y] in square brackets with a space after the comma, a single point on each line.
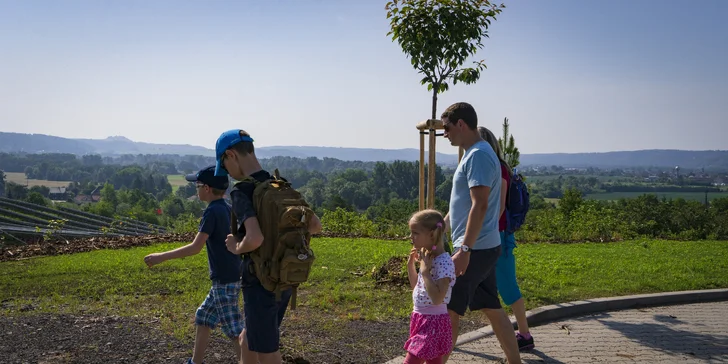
[435, 289]
[411, 271]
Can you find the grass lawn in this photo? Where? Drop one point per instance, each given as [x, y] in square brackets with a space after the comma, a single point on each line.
[20, 179]
[341, 289]
[176, 180]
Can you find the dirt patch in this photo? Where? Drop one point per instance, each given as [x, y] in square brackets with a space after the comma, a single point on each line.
[85, 339]
[58, 247]
[393, 272]
[38, 247]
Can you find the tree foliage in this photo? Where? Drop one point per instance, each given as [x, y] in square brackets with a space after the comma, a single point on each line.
[439, 35]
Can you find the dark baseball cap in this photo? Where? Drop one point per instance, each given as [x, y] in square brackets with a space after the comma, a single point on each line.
[207, 176]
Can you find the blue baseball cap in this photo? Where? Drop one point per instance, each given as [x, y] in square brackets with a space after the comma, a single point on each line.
[207, 176]
[224, 142]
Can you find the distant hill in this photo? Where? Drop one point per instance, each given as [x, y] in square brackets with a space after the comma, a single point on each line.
[118, 145]
[40, 143]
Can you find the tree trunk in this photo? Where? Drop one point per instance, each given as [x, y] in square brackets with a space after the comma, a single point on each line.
[431, 164]
[435, 87]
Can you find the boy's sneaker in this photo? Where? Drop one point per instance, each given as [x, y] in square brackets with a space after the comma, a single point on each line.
[523, 343]
[189, 361]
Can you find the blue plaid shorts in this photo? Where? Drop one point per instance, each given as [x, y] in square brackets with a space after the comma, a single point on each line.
[221, 306]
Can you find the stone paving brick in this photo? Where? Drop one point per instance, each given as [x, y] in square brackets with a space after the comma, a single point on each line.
[694, 333]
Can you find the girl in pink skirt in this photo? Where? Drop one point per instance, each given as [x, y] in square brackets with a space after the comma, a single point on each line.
[430, 331]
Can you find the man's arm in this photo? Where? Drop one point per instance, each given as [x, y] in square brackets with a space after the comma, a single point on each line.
[185, 251]
[479, 196]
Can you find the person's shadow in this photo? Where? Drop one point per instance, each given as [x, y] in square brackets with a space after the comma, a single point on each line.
[660, 336]
[542, 357]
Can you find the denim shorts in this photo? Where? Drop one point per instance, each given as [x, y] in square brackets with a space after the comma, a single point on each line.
[221, 307]
[506, 270]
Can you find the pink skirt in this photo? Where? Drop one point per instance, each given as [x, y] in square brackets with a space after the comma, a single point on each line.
[430, 336]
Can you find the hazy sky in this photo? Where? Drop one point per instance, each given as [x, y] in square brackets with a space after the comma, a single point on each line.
[571, 76]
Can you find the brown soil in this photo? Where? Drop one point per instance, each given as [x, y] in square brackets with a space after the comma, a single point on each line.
[58, 247]
[39, 247]
[392, 272]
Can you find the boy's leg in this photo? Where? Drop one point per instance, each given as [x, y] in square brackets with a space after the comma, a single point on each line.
[248, 356]
[202, 339]
[263, 316]
[205, 320]
[231, 321]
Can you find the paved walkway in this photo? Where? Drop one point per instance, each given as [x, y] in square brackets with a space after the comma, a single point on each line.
[694, 333]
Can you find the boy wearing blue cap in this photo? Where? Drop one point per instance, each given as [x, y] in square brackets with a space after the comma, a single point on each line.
[235, 156]
[221, 304]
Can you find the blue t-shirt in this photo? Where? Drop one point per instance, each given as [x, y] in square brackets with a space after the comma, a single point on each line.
[478, 167]
[224, 265]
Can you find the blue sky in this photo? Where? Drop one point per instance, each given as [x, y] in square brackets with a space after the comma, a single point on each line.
[571, 76]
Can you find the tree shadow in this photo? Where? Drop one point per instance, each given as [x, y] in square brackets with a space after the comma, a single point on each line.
[672, 341]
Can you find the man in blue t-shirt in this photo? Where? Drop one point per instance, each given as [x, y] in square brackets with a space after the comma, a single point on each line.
[221, 304]
[473, 218]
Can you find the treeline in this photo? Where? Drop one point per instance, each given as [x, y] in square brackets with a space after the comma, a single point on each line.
[653, 189]
[556, 187]
[575, 219]
[68, 167]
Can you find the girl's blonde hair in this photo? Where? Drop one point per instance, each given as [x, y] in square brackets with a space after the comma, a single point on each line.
[432, 220]
[489, 137]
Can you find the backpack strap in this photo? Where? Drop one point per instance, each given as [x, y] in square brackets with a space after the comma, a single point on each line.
[294, 293]
[233, 218]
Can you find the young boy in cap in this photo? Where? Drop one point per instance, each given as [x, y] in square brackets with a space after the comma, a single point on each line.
[263, 314]
[221, 304]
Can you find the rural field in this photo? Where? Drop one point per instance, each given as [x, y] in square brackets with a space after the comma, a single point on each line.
[19, 178]
[108, 304]
[696, 196]
[536, 179]
[176, 180]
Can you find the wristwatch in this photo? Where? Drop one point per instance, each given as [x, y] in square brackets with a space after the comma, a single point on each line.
[465, 248]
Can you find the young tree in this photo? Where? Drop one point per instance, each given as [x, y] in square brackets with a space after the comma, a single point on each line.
[508, 146]
[439, 35]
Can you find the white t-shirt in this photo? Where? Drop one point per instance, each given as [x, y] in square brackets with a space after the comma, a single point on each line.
[442, 266]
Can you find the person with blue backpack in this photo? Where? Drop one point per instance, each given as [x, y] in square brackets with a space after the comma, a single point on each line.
[514, 206]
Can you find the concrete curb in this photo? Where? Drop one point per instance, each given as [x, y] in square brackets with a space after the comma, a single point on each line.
[546, 314]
